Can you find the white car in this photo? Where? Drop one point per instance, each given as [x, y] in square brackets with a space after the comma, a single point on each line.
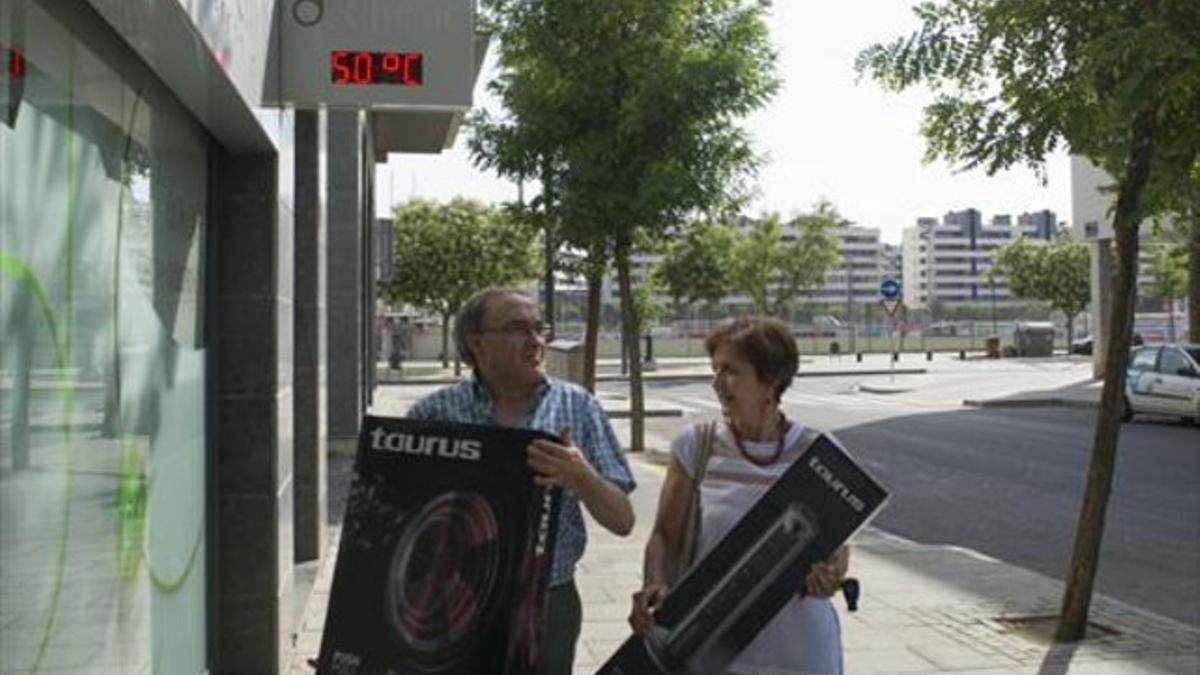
[1164, 380]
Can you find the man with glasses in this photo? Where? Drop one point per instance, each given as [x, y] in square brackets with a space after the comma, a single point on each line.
[498, 333]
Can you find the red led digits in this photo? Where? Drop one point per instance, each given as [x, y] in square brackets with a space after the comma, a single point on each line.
[412, 70]
[341, 71]
[363, 72]
[361, 67]
[16, 64]
[391, 62]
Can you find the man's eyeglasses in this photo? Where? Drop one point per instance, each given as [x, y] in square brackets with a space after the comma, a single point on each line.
[519, 329]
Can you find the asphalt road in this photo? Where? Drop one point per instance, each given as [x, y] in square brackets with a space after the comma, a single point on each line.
[1008, 483]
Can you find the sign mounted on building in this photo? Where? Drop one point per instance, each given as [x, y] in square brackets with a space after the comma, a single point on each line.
[376, 54]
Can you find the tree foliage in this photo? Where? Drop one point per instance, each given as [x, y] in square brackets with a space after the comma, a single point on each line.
[647, 309]
[773, 271]
[696, 267]
[1180, 219]
[630, 108]
[1116, 81]
[1169, 277]
[446, 252]
[758, 256]
[1168, 271]
[1056, 273]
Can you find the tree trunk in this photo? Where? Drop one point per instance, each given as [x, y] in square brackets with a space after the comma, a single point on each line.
[637, 421]
[548, 284]
[1081, 577]
[445, 340]
[1070, 332]
[591, 338]
[1194, 278]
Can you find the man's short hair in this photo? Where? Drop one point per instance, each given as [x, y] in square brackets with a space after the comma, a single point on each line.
[767, 343]
[472, 315]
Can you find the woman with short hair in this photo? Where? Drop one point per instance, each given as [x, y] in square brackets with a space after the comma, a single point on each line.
[754, 360]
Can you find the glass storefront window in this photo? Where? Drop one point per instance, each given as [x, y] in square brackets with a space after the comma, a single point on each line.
[103, 448]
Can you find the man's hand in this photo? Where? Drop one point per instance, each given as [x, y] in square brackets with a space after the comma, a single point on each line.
[564, 465]
[559, 464]
[645, 603]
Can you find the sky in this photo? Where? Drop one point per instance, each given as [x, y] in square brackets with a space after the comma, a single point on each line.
[824, 135]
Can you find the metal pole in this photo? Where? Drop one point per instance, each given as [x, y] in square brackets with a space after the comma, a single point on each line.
[892, 349]
[995, 331]
[849, 290]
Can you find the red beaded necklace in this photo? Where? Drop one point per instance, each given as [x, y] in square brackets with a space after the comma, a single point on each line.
[784, 427]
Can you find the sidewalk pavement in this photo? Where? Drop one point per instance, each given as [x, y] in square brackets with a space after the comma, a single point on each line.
[924, 608]
[681, 368]
[1070, 386]
[1060, 380]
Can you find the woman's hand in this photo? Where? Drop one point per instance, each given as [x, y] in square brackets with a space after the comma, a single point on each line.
[824, 579]
[645, 603]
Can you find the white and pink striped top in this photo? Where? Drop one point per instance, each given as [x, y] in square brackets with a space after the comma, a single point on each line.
[805, 637]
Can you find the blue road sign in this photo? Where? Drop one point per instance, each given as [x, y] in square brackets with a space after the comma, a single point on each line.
[889, 289]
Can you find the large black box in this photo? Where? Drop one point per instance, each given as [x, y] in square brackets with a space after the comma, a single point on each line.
[725, 599]
[445, 554]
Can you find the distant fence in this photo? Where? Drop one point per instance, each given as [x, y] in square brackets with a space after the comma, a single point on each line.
[686, 338]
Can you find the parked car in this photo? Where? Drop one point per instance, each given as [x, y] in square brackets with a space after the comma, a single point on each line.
[1084, 345]
[1164, 380]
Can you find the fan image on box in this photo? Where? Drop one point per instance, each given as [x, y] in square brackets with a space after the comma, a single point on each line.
[672, 649]
[442, 575]
[444, 555]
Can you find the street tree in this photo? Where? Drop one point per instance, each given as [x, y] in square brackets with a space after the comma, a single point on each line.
[772, 271]
[758, 255]
[1115, 81]
[446, 252]
[696, 267]
[1169, 275]
[648, 310]
[811, 255]
[1057, 273]
[636, 105]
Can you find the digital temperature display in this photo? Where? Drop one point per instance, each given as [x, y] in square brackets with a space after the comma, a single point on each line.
[16, 64]
[353, 67]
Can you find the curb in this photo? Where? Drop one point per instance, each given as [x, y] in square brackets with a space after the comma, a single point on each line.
[675, 377]
[623, 413]
[885, 390]
[1031, 403]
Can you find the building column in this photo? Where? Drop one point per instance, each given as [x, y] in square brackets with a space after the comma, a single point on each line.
[253, 445]
[310, 412]
[344, 281]
[1102, 292]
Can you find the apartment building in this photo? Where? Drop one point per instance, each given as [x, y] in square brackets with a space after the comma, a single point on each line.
[947, 261]
[866, 261]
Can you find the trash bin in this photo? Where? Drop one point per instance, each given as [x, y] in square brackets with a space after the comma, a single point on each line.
[564, 360]
[1034, 338]
[992, 345]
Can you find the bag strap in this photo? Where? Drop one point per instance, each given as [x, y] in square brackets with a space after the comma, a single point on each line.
[688, 543]
[707, 438]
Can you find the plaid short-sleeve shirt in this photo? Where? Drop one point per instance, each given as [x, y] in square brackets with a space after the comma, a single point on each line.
[556, 404]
